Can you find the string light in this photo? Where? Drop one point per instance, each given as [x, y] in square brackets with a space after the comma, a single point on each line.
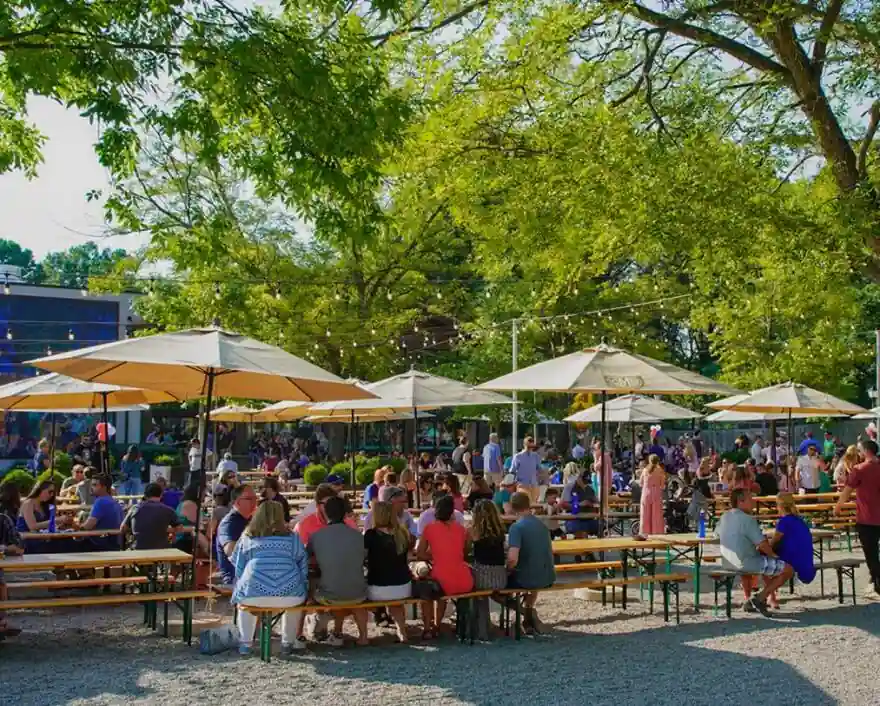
[70, 335]
[9, 334]
[277, 294]
[49, 350]
[217, 291]
[6, 288]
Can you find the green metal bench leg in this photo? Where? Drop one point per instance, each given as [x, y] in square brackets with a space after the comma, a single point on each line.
[715, 609]
[852, 578]
[677, 607]
[728, 585]
[517, 628]
[665, 585]
[840, 585]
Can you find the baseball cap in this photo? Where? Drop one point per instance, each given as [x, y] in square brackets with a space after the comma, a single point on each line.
[335, 479]
[509, 479]
[227, 456]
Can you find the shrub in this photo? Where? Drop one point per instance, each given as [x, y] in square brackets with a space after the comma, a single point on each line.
[360, 460]
[165, 460]
[397, 463]
[56, 478]
[20, 477]
[364, 474]
[62, 463]
[314, 474]
[342, 468]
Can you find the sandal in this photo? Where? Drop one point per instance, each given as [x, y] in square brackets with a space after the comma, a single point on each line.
[429, 634]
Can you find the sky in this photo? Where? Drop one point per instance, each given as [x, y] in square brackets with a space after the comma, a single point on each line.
[50, 212]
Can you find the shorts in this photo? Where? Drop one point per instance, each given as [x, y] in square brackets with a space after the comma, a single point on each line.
[771, 566]
[351, 603]
[389, 593]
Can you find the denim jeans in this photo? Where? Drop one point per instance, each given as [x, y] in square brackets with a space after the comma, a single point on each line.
[132, 486]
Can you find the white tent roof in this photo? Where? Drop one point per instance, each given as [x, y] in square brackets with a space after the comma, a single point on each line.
[633, 409]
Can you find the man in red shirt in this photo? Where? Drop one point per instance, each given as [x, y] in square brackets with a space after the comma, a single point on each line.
[866, 479]
[306, 527]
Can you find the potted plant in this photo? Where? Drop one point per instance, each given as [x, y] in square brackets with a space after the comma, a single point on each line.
[161, 466]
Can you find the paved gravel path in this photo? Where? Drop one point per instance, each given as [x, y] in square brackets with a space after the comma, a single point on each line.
[814, 653]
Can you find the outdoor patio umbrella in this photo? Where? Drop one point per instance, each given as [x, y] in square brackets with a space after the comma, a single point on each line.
[607, 370]
[203, 363]
[366, 417]
[234, 413]
[632, 410]
[284, 411]
[789, 399]
[55, 392]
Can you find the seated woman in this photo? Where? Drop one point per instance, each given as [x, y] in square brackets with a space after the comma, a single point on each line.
[444, 544]
[792, 541]
[222, 505]
[187, 512]
[388, 543]
[272, 491]
[452, 486]
[271, 570]
[10, 539]
[33, 516]
[490, 559]
[480, 490]
[229, 478]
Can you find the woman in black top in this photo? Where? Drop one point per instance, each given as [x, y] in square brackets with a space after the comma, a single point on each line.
[479, 491]
[490, 558]
[272, 491]
[388, 544]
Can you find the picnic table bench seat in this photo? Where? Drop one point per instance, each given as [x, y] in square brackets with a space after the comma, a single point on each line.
[77, 583]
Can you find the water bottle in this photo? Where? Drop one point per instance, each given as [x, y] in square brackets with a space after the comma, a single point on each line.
[51, 518]
[575, 503]
[701, 532]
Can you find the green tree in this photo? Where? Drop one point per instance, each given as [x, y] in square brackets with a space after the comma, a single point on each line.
[11, 253]
[79, 264]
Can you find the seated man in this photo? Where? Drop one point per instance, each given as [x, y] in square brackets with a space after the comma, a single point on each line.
[529, 557]
[503, 494]
[579, 492]
[106, 514]
[11, 540]
[397, 497]
[231, 527]
[68, 489]
[310, 524]
[149, 521]
[745, 549]
[339, 552]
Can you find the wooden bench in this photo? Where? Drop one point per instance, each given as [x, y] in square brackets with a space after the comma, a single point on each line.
[182, 599]
[82, 583]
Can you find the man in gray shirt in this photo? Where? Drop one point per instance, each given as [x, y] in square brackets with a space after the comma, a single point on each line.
[340, 553]
[745, 549]
[150, 520]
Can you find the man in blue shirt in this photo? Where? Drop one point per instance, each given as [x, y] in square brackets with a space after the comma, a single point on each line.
[231, 527]
[493, 468]
[525, 467]
[106, 514]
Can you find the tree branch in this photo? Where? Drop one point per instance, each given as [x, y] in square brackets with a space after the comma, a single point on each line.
[647, 65]
[428, 29]
[873, 124]
[737, 50]
[820, 46]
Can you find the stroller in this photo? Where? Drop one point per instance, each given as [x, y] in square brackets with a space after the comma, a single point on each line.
[675, 513]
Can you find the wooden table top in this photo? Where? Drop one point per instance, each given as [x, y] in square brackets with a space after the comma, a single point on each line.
[75, 534]
[605, 544]
[93, 560]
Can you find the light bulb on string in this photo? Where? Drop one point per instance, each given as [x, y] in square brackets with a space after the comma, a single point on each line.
[9, 334]
[6, 288]
[439, 295]
[49, 350]
[277, 294]
[316, 346]
[70, 335]
[217, 291]
[372, 331]
[327, 333]
[338, 296]
[388, 296]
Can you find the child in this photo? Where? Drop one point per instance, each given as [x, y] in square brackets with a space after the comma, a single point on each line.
[551, 507]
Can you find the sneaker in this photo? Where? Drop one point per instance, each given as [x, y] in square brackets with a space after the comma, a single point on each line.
[334, 640]
[871, 591]
[245, 650]
[288, 648]
[760, 605]
[748, 607]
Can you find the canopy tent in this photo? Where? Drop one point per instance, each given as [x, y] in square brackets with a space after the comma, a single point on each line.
[234, 413]
[607, 370]
[284, 411]
[203, 363]
[55, 392]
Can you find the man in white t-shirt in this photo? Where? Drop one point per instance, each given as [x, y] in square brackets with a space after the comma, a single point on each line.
[195, 459]
[808, 470]
[227, 464]
[758, 450]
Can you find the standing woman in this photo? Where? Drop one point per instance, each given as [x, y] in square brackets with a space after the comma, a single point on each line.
[131, 467]
[787, 476]
[490, 558]
[653, 482]
[388, 543]
[846, 465]
[271, 571]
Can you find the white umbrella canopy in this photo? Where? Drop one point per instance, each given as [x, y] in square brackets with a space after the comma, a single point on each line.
[729, 416]
[418, 390]
[234, 413]
[872, 413]
[633, 409]
[610, 370]
[789, 398]
[284, 411]
[57, 393]
[367, 417]
[183, 363]
[86, 410]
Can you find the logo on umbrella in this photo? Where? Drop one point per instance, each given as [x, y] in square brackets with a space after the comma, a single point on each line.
[626, 382]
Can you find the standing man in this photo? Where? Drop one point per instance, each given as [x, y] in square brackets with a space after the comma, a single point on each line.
[866, 479]
[828, 447]
[578, 452]
[493, 466]
[808, 469]
[757, 452]
[461, 464]
[525, 467]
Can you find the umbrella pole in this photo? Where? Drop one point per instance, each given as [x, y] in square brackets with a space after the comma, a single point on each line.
[201, 476]
[351, 451]
[790, 438]
[52, 441]
[107, 470]
[633, 426]
[416, 456]
[603, 486]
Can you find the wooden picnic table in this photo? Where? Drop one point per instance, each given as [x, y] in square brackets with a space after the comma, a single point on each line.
[93, 560]
[75, 534]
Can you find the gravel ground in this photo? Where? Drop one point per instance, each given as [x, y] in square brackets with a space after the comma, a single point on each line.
[814, 652]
